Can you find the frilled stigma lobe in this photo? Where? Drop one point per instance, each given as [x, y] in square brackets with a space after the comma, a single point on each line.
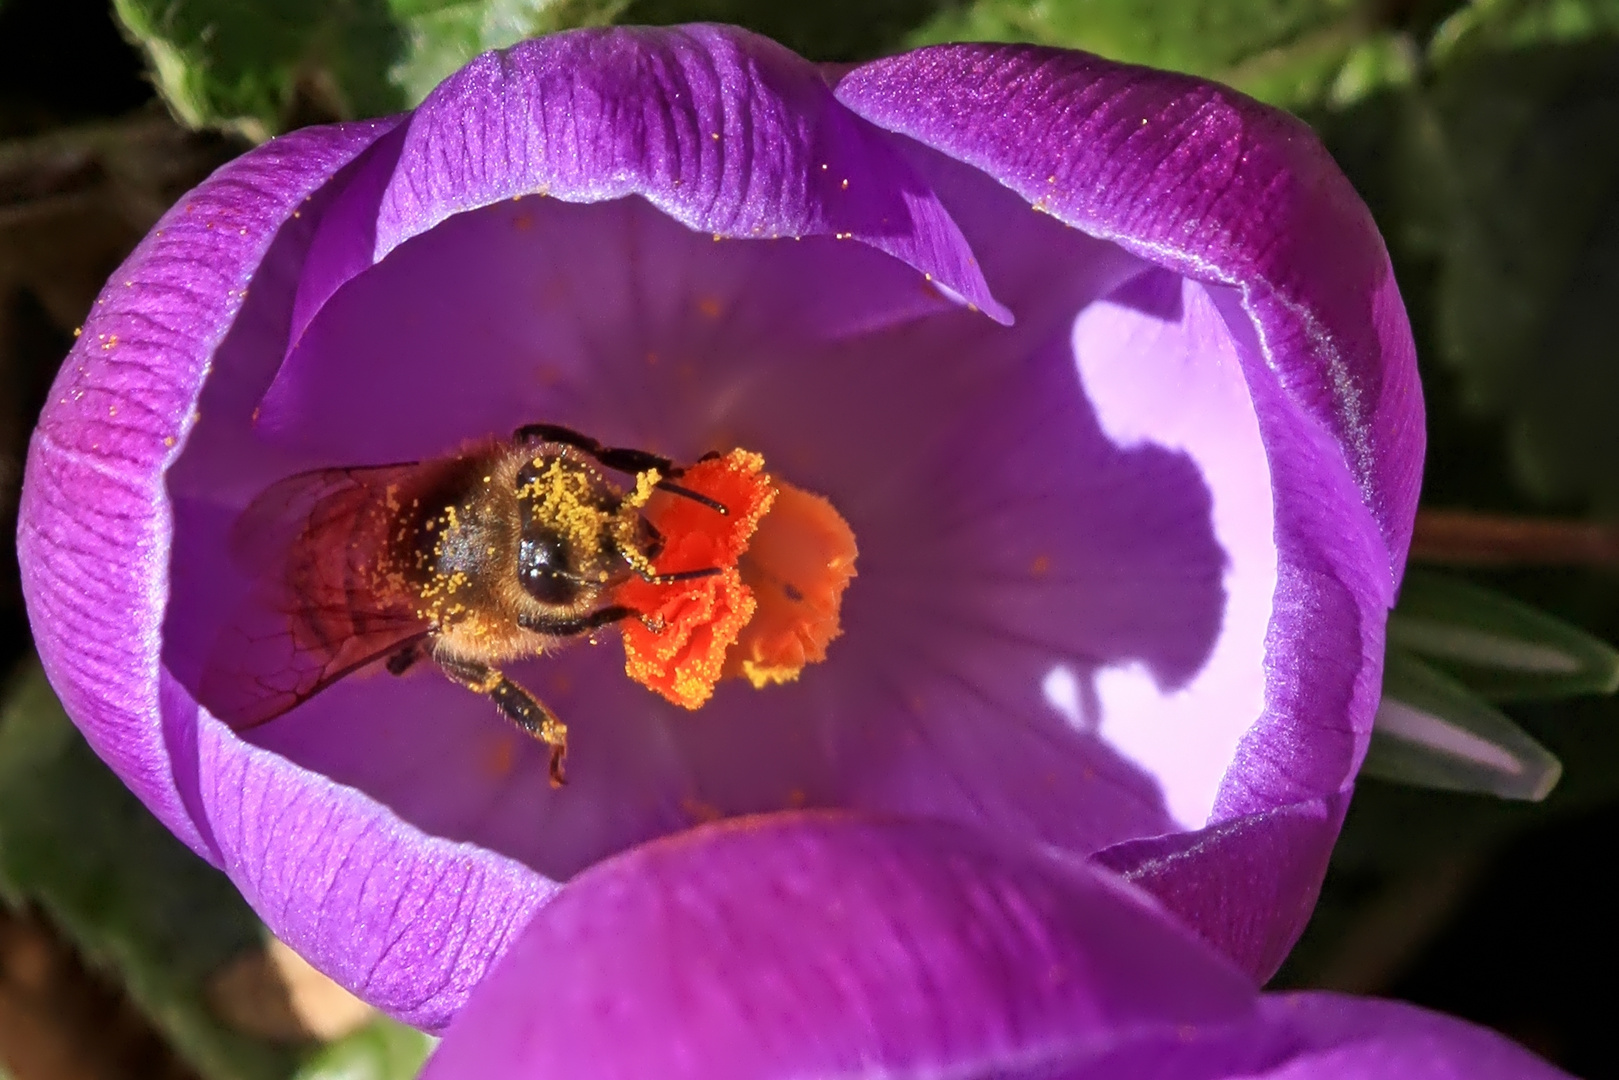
[799, 564]
[785, 558]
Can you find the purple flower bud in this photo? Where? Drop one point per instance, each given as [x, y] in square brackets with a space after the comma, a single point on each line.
[824, 945]
[1132, 472]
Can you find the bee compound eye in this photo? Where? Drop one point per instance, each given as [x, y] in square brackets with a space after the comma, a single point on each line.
[543, 568]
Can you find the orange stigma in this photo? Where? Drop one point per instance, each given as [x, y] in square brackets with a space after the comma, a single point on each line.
[797, 567]
[785, 558]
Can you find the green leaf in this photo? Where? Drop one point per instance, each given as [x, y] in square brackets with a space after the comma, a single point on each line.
[382, 1050]
[834, 30]
[1289, 52]
[1498, 646]
[1519, 158]
[1431, 732]
[132, 899]
[1496, 24]
[442, 35]
[262, 66]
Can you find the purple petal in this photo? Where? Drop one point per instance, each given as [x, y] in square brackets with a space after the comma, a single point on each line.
[377, 904]
[1163, 370]
[407, 921]
[1090, 535]
[1204, 181]
[229, 232]
[94, 529]
[1087, 616]
[1348, 1038]
[1247, 885]
[819, 945]
[1210, 184]
[829, 945]
[1319, 1036]
[724, 131]
[1009, 538]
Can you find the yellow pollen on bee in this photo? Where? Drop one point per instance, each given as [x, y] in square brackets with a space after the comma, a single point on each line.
[565, 496]
[645, 484]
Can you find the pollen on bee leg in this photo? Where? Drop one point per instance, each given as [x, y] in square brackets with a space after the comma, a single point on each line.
[784, 558]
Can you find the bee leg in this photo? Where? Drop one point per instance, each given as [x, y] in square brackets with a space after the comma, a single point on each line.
[583, 624]
[403, 660]
[622, 459]
[696, 497]
[573, 625]
[618, 458]
[518, 705]
[556, 433]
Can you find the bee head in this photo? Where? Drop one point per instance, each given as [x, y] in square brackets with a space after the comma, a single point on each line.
[572, 525]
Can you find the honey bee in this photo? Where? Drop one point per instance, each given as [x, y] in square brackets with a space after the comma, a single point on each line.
[503, 551]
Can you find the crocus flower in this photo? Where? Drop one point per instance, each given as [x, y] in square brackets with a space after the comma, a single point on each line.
[819, 945]
[1104, 367]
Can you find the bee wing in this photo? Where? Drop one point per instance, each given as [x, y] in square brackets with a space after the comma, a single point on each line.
[309, 502]
[314, 544]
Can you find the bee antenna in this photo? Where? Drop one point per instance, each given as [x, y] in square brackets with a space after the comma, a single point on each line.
[696, 497]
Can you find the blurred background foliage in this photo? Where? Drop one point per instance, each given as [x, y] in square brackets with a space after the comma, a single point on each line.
[1484, 134]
